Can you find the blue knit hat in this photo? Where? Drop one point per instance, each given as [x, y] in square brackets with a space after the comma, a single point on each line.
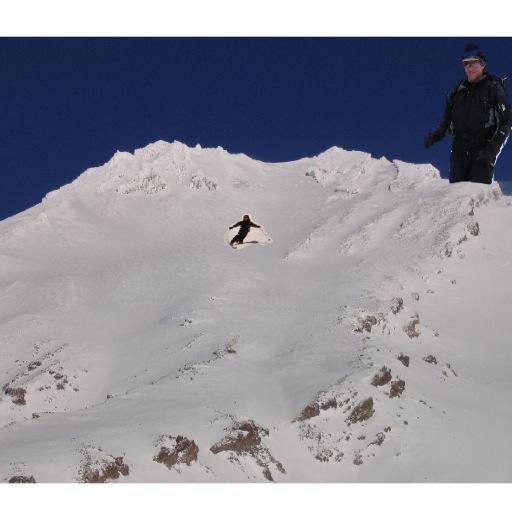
[473, 50]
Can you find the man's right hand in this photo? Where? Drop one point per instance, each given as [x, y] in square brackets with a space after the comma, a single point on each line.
[429, 140]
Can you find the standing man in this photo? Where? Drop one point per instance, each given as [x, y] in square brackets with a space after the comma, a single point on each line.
[479, 117]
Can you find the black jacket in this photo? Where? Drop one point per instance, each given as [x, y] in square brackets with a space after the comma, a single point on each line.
[245, 226]
[478, 115]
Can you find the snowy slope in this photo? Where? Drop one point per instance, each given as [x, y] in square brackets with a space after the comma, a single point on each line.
[128, 327]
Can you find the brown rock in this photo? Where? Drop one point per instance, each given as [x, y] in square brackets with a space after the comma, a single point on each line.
[366, 323]
[34, 365]
[410, 328]
[19, 479]
[267, 474]
[17, 394]
[473, 228]
[397, 388]
[362, 411]
[358, 459]
[329, 404]
[245, 438]
[403, 359]
[310, 411]
[324, 455]
[397, 305]
[184, 452]
[109, 471]
[379, 439]
[382, 377]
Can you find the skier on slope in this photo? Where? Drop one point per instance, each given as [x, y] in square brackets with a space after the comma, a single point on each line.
[245, 226]
[479, 117]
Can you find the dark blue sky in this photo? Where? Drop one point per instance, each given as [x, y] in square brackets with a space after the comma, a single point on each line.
[69, 104]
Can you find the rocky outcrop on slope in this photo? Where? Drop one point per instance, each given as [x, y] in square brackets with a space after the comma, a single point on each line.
[98, 468]
[175, 451]
[244, 439]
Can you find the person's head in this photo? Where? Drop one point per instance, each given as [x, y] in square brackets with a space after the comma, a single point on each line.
[246, 217]
[474, 62]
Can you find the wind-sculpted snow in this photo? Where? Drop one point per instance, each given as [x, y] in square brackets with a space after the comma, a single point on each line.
[136, 346]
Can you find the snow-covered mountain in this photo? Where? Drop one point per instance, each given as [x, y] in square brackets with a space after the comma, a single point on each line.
[370, 341]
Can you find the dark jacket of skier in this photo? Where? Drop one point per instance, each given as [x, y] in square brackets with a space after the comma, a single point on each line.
[479, 117]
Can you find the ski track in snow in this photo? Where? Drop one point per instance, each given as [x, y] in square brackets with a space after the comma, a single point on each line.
[126, 322]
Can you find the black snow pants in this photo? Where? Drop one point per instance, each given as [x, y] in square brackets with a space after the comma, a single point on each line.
[465, 166]
[239, 239]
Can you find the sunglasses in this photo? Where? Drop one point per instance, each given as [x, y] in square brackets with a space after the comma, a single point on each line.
[470, 63]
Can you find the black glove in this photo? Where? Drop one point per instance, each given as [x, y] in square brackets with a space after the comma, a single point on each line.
[429, 140]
